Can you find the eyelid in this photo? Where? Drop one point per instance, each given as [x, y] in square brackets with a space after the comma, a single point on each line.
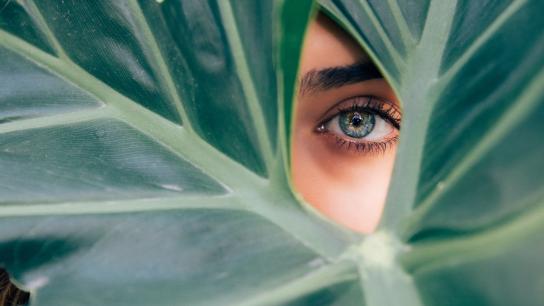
[363, 101]
[363, 147]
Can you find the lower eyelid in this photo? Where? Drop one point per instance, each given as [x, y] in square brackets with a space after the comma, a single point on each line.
[363, 147]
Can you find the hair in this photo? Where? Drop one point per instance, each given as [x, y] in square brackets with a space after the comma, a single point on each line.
[10, 295]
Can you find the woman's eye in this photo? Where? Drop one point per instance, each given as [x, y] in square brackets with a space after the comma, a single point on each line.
[362, 124]
[359, 125]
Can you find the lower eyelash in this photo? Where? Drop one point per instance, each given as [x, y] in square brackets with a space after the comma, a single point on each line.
[379, 147]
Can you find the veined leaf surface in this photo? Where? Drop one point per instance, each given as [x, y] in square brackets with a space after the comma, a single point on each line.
[143, 149]
[467, 192]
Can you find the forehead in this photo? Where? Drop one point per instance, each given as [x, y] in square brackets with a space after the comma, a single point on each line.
[327, 45]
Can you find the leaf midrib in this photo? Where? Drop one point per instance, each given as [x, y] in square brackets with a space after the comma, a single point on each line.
[186, 202]
[402, 193]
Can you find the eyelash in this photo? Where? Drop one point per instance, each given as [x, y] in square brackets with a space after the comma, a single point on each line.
[370, 104]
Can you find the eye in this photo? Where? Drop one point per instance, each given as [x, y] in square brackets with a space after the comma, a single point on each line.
[359, 125]
[363, 124]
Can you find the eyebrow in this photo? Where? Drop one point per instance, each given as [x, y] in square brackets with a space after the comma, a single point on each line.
[334, 77]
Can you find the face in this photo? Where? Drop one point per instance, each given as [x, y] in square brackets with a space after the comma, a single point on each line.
[346, 129]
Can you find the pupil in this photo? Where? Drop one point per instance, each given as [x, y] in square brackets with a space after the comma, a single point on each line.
[356, 120]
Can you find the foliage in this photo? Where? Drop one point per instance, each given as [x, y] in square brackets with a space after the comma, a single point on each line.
[144, 153]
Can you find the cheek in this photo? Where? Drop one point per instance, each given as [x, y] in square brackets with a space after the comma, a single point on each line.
[348, 188]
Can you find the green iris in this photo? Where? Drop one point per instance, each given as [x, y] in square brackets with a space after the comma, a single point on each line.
[357, 124]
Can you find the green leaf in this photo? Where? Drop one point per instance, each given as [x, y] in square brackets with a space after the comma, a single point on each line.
[139, 155]
[467, 197]
[144, 154]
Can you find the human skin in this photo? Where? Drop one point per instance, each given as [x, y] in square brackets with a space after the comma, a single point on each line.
[345, 178]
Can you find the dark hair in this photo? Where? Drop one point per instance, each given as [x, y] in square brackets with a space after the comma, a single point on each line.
[10, 295]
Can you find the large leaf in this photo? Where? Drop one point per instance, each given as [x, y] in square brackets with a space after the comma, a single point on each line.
[143, 148]
[139, 155]
[468, 194]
